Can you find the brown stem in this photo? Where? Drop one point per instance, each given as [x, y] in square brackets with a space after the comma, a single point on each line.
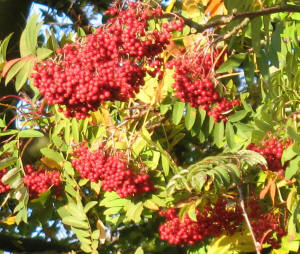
[242, 204]
[225, 19]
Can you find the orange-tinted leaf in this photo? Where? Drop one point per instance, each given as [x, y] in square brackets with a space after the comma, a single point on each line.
[273, 191]
[8, 65]
[265, 191]
[216, 7]
[50, 163]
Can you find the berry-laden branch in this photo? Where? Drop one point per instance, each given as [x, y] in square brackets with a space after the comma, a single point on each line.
[226, 19]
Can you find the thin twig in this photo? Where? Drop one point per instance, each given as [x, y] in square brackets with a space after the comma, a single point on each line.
[226, 19]
[241, 198]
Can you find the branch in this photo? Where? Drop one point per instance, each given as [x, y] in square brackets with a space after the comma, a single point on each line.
[242, 204]
[226, 19]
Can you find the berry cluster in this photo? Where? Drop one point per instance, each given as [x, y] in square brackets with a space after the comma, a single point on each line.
[193, 84]
[218, 218]
[212, 221]
[108, 65]
[272, 150]
[38, 181]
[267, 227]
[3, 187]
[113, 171]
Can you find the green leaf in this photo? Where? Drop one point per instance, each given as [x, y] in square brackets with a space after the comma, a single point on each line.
[9, 132]
[89, 206]
[86, 248]
[292, 168]
[293, 134]
[68, 168]
[5, 163]
[190, 117]
[113, 210]
[177, 113]
[23, 74]
[252, 158]
[95, 187]
[120, 202]
[232, 62]
[165, 164]
[73, 221]
[9, 175]
[138, 146]
[192, 212]
[237, 116]
[51, 154]
[262, 125]
[75, 130]
[3, 47]
[30, 134]
[80, 232]
[229, 133]
[256, 25]
[43, 53]
[134, 212]
[218, 133]
[289, 153]
[28, 40]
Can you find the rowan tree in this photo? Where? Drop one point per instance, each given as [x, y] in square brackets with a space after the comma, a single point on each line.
[171, 128]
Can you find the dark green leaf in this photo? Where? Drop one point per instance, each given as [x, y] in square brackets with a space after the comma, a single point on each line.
[190, 117]
[238, 116]
[5, 163]
[256, 25]
[178, 112]
[232, 62]
[229, 132]
[218, 133]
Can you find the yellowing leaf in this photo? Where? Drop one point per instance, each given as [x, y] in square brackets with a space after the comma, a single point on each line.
[236, 243]
[11, 220]
[151, 205]
[291, 198]
[170, 6]
[102, 233]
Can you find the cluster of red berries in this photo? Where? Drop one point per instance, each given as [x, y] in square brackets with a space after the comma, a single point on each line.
[267, 227]
[3, 187]
[211, 222]
[193, 84]
[113, 171]
[272, 150]
[39, 181]
[108, 65]
[219, 218]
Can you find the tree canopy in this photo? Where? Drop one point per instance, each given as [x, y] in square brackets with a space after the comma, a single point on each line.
[171, 128]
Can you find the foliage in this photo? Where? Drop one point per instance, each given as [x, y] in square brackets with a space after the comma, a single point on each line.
[205, 113]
